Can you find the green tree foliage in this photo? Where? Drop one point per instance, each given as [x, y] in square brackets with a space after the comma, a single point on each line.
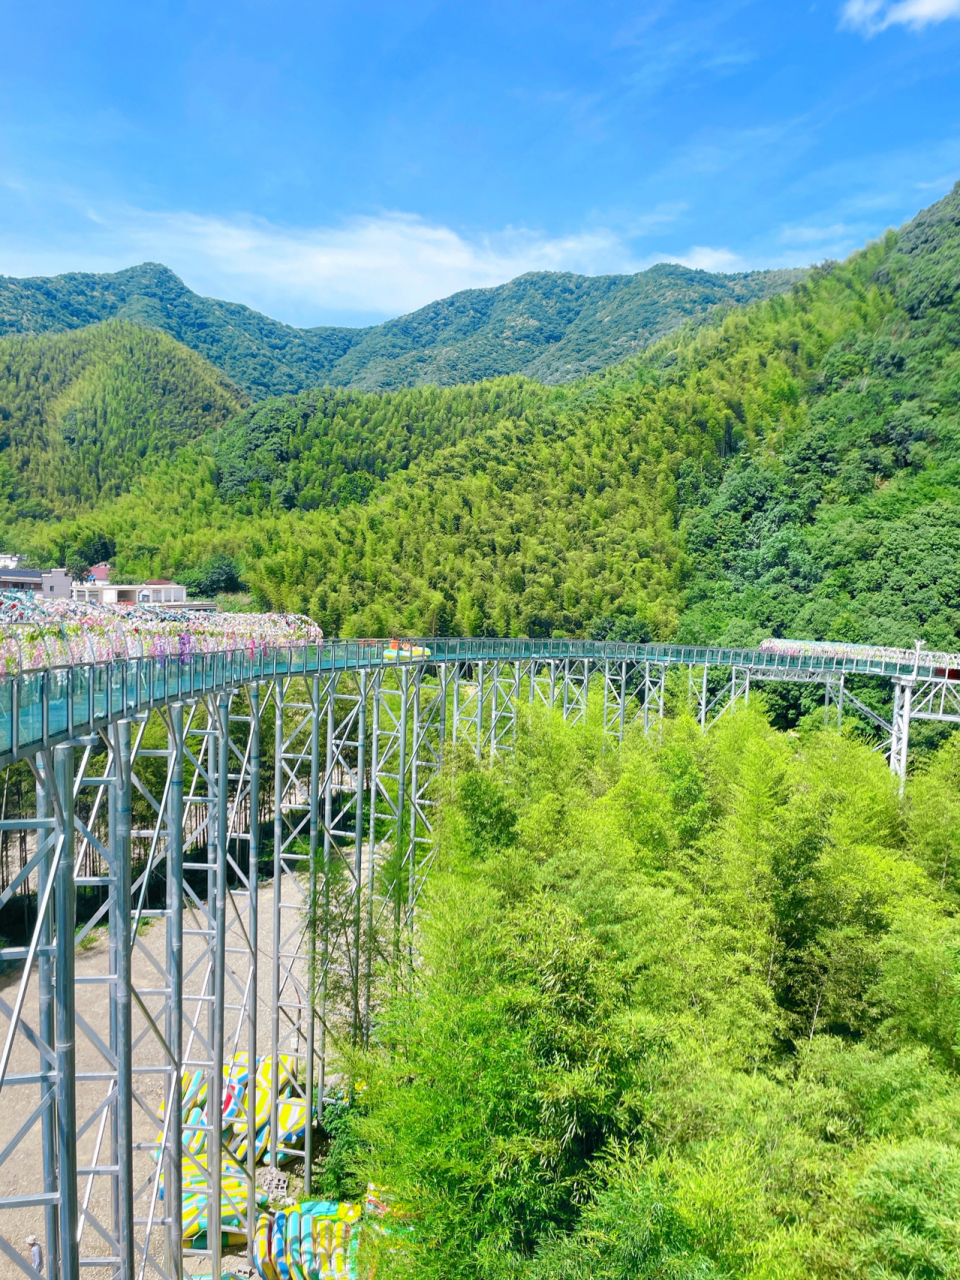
[261, 355]
[328, 448]
[81, 413]
[550, 325]
[217, 575]
[542, 510]
[788, 469]
[547, 325]
[852, 530]
[686, 1009]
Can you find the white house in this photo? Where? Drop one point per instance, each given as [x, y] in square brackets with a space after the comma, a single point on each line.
[56, 584]
[156, 591]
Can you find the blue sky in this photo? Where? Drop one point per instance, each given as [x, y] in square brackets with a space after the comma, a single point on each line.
[343, 162]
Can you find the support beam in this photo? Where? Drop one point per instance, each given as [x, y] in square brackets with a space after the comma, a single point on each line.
[900, 737]
[66, 1026]
[173, 1166]
[47, 1030]
[253, 878]
[120, 817]
[317, 721]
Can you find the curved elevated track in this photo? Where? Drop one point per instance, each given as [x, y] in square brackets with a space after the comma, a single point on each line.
[165, 790]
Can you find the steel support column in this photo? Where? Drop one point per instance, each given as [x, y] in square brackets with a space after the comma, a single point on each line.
[900, 737]
[173, 1163]
[253, 878]
[47, 1029]
[66, 1026]
[120, 817]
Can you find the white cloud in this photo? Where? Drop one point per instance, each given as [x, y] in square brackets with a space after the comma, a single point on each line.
[703, 258]
[356, 272]
[871, 16]
[388, 265]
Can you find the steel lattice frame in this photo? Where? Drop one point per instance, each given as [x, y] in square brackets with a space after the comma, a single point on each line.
[151, 775]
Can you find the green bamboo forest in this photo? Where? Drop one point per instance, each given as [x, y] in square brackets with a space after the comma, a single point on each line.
[687, 1008]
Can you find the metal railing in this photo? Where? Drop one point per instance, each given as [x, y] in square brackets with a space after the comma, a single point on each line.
[44, 707]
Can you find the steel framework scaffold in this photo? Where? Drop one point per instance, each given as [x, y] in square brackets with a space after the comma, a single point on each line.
[250, 833]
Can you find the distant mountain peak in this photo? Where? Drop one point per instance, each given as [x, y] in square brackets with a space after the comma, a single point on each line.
[552, 325]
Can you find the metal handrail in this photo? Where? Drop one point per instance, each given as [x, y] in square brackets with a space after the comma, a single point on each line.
[42, 706]
[370, 653]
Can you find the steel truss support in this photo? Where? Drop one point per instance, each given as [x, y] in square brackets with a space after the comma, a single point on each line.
[833, 694]
[935, 699]
[45, 1028]
[119, 803]
[711, 706]
[633, 692]
[900, 735]
[921, 698]
[575, 688]
[66, 1020]
[837, 698]
[297, 731]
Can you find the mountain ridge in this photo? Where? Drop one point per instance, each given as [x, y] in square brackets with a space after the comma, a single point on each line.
[792, 469]
[552, 326]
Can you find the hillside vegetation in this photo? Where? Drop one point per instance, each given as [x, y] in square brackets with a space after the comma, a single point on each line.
[326, 447]
[792, 468]
[853, 530]
[81, 412]
[564, 511]
[553, 326]
[686, 1011]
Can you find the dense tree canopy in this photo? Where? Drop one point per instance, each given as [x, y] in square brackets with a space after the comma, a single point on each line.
[327, 447]
[81, 413]
[689, 1009]
[851, 530]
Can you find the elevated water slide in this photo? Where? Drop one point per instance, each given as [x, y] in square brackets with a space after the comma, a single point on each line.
[147, 769]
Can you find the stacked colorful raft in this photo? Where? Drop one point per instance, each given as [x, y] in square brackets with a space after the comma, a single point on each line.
[51, 633]
[403, 651]
[316, 1240]
[291, 1110]
[233, 1203]
[234, 1187]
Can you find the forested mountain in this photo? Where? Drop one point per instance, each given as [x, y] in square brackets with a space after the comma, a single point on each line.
[81, 412]
[552, 326]
[851, 530]
[792, 468]
[261, 355]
